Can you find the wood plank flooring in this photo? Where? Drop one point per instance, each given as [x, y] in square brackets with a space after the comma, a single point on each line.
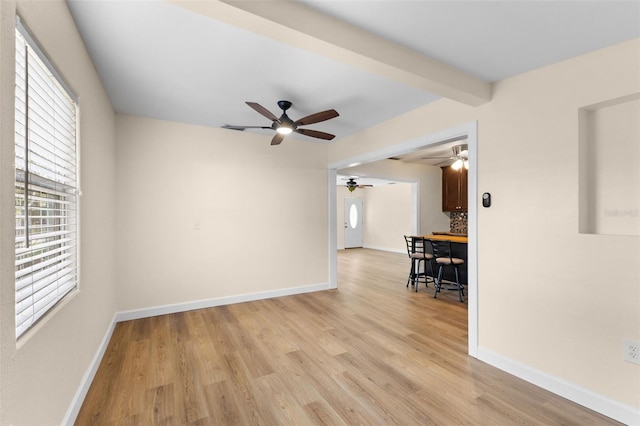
[371, 352]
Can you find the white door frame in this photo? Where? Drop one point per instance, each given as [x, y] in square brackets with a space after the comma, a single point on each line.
[470, 130]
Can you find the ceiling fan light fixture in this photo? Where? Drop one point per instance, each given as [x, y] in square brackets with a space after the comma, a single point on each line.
[284, 130]
[461, 153]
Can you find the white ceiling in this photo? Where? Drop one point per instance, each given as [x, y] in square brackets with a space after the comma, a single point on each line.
[159, 59]
[493, 40]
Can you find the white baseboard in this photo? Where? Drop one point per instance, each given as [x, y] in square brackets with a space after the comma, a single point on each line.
[599, 403]
[392, 250]
[76, 403]
[81, 393]
[219, 301]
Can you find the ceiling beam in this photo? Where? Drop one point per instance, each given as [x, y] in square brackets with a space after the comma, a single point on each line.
[298, 25]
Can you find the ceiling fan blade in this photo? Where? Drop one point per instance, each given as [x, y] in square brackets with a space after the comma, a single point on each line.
[449, 161]
[317, 117]
[262, 110]
[315, 134]
[438, 158]
[277, 139]
[232, 127]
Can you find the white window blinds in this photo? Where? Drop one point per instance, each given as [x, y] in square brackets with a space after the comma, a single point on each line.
[46, 183]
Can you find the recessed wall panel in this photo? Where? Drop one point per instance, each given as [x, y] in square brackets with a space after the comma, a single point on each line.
[610, 167]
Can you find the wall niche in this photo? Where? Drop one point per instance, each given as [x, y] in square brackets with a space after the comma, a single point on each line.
[609, 167]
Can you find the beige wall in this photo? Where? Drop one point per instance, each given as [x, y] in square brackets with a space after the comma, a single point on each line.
[429, 179]
[205, 213]
[388, 216]
[38, 380]
[550, 298]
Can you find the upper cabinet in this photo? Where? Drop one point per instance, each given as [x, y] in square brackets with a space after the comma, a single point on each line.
[454, 190]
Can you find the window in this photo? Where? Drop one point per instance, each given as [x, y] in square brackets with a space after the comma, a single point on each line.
[46, 183]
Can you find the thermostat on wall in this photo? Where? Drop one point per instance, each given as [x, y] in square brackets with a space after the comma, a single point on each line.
[486, 199]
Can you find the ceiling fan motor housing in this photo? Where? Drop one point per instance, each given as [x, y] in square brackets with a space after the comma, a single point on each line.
[284, 120]
[351, 184]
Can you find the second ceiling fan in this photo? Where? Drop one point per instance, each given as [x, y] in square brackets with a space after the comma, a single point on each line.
[284, 125]
[459, 159]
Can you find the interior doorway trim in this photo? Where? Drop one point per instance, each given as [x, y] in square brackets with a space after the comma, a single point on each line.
[468, 130]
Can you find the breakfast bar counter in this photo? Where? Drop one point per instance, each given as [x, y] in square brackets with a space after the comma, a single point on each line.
[445, 237]
[458, 249]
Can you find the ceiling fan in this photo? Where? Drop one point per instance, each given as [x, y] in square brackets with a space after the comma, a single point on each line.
[352, 184]
[284, 125]
[460, 157]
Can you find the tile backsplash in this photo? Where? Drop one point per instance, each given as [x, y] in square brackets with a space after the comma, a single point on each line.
[458, 222]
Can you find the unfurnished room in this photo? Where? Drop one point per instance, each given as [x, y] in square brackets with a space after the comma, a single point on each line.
[305, 212]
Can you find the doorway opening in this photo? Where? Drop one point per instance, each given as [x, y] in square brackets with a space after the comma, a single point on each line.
[468, 131]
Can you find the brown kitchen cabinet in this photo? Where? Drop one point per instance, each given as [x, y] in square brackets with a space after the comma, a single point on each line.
[454, 189]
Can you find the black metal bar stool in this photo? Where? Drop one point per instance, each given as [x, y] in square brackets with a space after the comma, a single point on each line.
[417, 249]
[443, 257]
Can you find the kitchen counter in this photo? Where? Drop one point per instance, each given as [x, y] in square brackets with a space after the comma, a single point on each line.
[452, 238]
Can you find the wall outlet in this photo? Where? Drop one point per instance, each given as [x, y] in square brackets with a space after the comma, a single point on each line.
[632, 351]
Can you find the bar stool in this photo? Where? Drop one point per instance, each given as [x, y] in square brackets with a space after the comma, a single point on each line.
[443, 257]
[417, 250]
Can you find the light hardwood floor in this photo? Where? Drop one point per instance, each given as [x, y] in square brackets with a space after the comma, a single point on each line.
[371, 352]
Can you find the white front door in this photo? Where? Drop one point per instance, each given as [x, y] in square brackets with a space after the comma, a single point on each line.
[352, 222]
